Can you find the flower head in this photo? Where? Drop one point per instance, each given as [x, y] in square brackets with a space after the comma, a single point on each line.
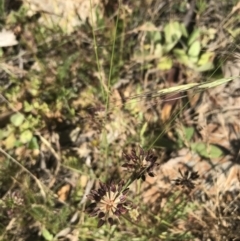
[109, 202]
[187, 179]
[140, 163]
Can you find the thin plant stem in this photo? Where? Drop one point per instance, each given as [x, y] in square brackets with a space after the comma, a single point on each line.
[111, 64]
[96, 52]
[40, 185]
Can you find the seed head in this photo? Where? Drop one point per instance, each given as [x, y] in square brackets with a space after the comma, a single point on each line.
[109, 203]
[187, 179]
[141, 162]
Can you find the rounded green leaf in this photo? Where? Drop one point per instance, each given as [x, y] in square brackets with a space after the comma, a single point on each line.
[26, 136]
[17, 119]
[209, 151]
[194, 49]
[189, 132]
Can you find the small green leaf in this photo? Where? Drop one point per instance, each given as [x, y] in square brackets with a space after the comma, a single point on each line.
[193, 37]
[156, 37]
[18, 143]
[205, 67]
[169, 46]
[17, 119]
[27, 107]
[211, 32]
[165, 63]
[193, 59]
[178, 51]
[194, 49]
[36, 105]
[179, 140]
[172, 33]
[209, 151]
[35, 83]
[7, 131]
[10, 141]
[189, 131]
[44, 107]
[25, 125]
[33, 144]
[205, 58]
[181, 56]
[158, 50]
[47, 235]
[26, 136]
[33, 91]
[183, 30]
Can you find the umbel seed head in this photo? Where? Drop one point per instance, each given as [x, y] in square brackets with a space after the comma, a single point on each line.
[140, 163]
[109, 203]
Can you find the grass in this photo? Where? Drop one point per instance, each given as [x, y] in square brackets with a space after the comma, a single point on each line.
[76, 107]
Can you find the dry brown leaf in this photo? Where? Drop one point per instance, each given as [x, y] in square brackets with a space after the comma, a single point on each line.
[83, 180]
[166, 112]
[64, 192]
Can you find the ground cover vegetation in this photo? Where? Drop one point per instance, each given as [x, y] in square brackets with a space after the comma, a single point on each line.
[119, 120]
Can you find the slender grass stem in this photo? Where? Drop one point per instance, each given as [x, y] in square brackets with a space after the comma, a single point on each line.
[96, 52]
[111, 63]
